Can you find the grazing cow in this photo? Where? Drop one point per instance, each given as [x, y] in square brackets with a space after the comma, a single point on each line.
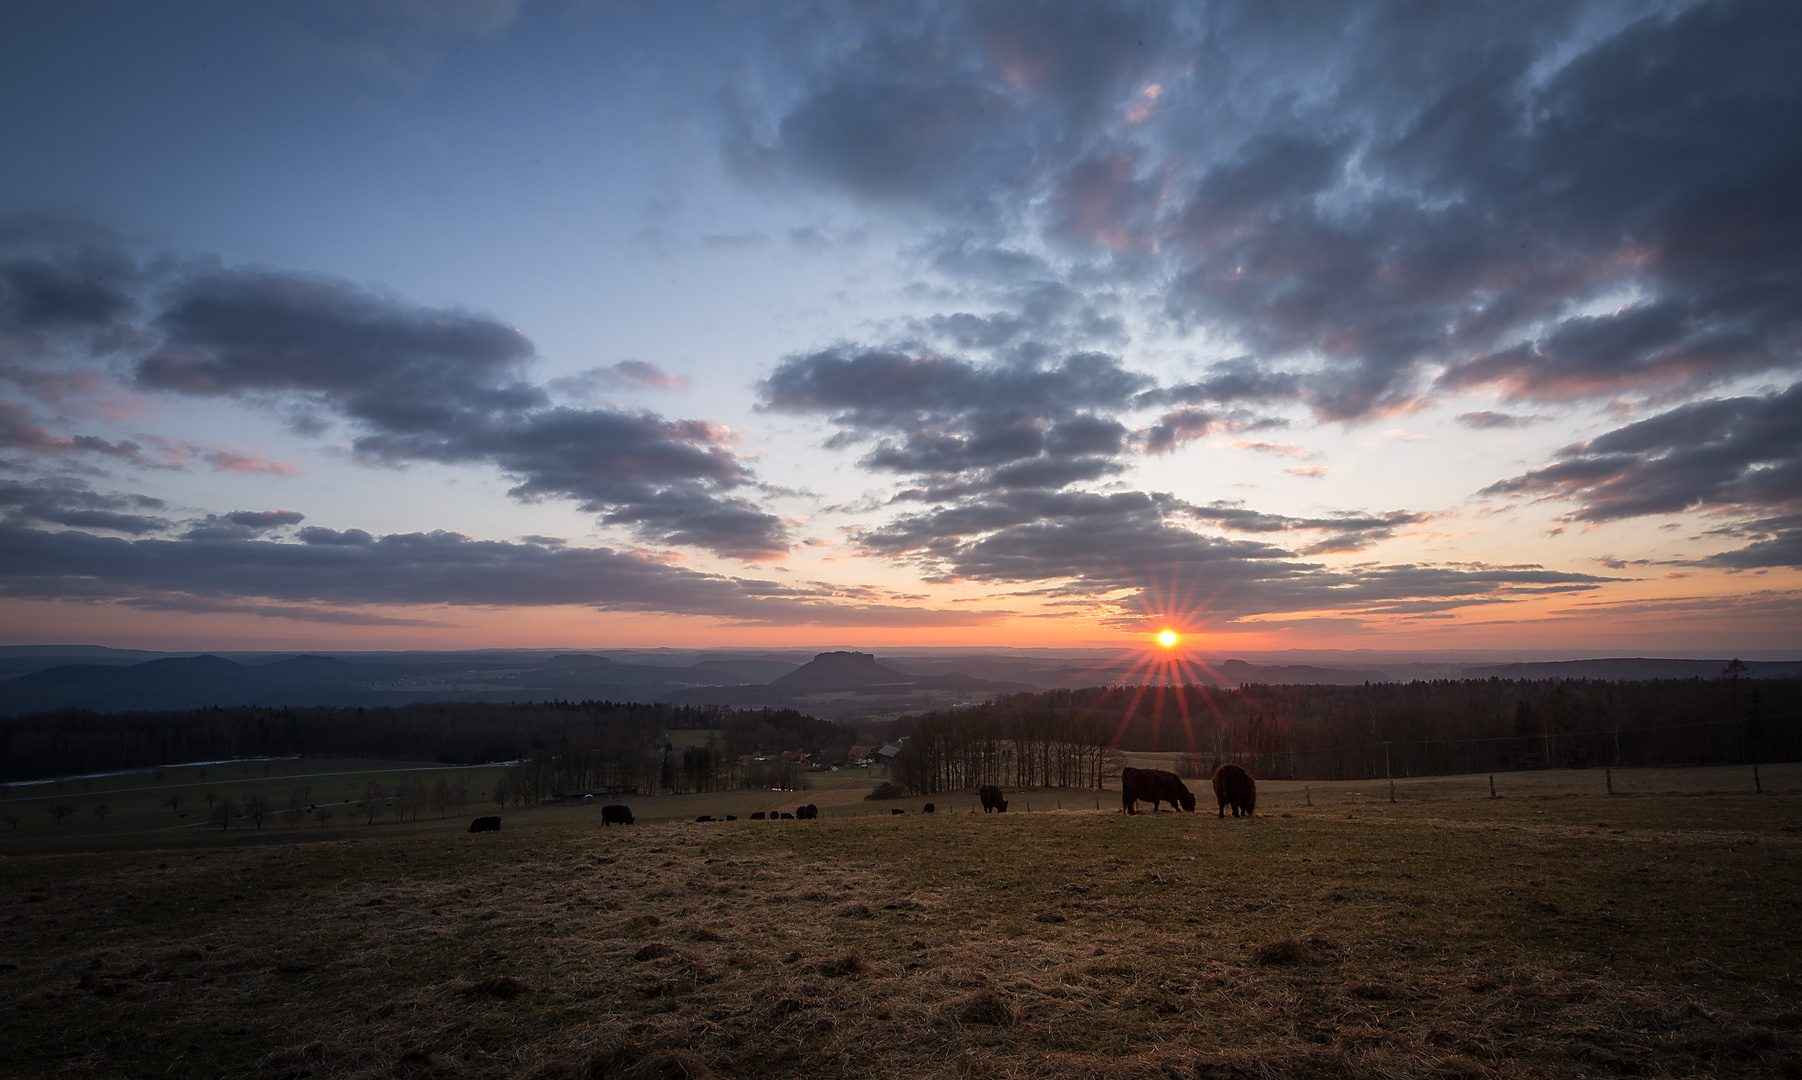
[704, 817]
[1153, 786]
[893, 810]
[928, 808]
[1234, 786]
[991, 799]
[485, 824]
[616, 814]
[808, 812]
[731, 817]
[758, 816]
[786, 816]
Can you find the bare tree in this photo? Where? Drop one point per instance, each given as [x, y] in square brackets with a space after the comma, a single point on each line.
[13, 820]
[222, 812]
[257, 807]
[372, 800]
[324, 814]
[102, 810]
[59, 811]
[173, 802]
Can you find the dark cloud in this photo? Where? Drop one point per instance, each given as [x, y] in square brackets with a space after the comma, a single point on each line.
[336, 575]
[241, 524]
[1487, 420]
[425, 384]
[1738, 456]
[962, 425]
[954, 108]
[73, 503]
[392, 366]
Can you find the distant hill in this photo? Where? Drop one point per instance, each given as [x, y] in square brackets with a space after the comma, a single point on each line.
[197, 682]
[850, 685]
[1628, 669]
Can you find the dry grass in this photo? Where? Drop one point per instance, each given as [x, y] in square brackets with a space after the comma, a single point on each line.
[1562, 937]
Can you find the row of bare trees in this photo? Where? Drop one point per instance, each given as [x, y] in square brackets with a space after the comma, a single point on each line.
[1033, 740]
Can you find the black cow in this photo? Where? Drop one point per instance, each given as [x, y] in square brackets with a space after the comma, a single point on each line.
[758, 816]
[485, 824]
[991, 799]
[731, 817]
[928, 808]
[1153, 786]
[786, 816]
[704, 817]
[1235, 787]
[808, 812]
[616, 814]
[893, 810]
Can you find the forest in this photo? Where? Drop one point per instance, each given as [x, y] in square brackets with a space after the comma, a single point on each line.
[583, 744]
[1060, 737]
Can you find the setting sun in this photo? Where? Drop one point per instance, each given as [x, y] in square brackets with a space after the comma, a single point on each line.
[1167, 638]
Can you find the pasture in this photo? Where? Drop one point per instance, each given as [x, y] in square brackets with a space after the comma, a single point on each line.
[1443, 935]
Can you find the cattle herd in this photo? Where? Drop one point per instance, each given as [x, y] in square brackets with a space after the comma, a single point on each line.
[1233, 786]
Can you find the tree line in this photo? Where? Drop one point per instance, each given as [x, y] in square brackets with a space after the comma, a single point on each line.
[1062, 737]
[618, 742]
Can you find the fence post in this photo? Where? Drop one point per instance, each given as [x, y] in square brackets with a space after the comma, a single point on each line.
[1756, 782]
[1609, 774]
[1392, 791]
[1492, 785]
[1309, 798]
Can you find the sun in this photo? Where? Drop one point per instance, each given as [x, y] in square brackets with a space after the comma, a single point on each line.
[1167, 638]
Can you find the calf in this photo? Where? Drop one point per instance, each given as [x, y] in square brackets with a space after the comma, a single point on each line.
[1153, 786]
[991, 799]
[485, 824]
[1235, 787]
[895, 810]
[616, 814]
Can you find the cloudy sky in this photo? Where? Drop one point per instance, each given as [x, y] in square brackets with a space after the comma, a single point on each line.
[446, 323]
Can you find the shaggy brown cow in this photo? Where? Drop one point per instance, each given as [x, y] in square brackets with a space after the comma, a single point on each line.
[991, 799]
[1153, 786]
[485, 824]
[616, 814]
[1234, 785]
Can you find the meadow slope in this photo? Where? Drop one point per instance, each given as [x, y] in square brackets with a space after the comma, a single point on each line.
[1657, 935]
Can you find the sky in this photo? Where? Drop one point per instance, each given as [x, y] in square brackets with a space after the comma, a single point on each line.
[568, 323]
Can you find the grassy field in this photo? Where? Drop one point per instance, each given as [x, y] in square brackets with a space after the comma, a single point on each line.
[172, 806]
[1447, 934]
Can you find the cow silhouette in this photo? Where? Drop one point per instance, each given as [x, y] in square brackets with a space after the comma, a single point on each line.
[808, 812]
[485, 824]
[1235, 787]
[928, 808]
[616, 814]
[1153, 786]
[991, 799]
